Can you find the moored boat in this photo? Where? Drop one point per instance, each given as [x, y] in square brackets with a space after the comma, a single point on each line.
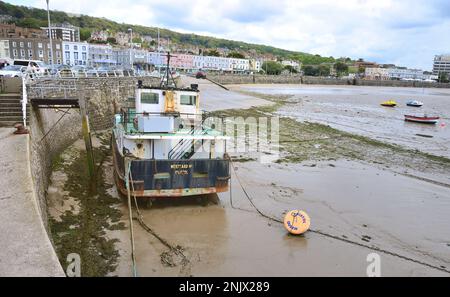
[389, 103]
[423, 119]
[414, 103]
[164, 147]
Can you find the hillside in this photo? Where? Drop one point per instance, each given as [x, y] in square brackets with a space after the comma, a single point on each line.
[35, 18]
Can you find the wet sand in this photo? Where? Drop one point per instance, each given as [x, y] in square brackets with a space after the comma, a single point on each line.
[357, 110]
[358, 208]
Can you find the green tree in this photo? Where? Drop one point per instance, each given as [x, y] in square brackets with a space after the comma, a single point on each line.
[341, 68]
[272, 67]
[324, 70]
[85, 34]
[111, 40]
[290, 68]
[309, 70]
[212, 53]
[443, 77]
[236, 55]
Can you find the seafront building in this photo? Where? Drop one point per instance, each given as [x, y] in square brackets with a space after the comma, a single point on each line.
[64, 32]
[101, 55]
[377, 73]
[32, 49]
[75, 53]
[441, 64]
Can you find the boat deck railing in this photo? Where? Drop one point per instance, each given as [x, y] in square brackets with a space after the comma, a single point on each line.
[188, 123]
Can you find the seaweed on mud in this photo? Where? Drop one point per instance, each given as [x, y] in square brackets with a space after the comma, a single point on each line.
[84, 233]
[304, 141]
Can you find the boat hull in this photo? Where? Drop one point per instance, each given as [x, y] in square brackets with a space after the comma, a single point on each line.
[422, 120]
[171, 178]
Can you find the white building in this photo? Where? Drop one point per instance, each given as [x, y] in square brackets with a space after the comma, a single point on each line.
[75, 53]
[156, 59]
[4, 49]
[441, 64]
[101, 55]
[131, 58]
[212, 63]
[406, 74]
[293, 64]
[239, 65]
[377, 73]
[255, 65]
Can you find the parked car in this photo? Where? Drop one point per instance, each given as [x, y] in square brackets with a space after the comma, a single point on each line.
[200, 74]
[32, 66]
[12, 71]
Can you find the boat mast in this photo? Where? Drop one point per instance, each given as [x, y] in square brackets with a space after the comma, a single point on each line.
[168, 74]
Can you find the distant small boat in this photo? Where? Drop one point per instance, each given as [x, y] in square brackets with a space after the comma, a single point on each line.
[389, 103]
[414, 103]
[423, 120]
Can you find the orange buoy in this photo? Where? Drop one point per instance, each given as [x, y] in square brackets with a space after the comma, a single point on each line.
[297, 222]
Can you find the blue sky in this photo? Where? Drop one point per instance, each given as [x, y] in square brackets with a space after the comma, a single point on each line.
[404, 32]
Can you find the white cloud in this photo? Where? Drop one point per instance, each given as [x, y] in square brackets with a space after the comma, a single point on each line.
[405, 32]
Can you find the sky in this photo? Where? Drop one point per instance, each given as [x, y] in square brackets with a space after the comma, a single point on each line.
[402, 32]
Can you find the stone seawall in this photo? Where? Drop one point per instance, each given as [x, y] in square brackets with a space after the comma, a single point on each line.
[308, 80]
[51, 132]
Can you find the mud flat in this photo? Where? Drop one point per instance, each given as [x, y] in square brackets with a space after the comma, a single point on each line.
[364, 196]
[357, 110]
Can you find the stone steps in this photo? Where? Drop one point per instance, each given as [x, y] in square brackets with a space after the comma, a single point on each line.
[11, 110]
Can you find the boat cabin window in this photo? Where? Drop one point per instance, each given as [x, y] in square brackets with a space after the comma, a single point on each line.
[149, 98]
[188, 100]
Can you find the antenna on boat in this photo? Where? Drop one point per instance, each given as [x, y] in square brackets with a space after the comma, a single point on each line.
[168, 75]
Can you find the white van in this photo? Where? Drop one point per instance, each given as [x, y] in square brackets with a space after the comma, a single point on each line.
[32, 66]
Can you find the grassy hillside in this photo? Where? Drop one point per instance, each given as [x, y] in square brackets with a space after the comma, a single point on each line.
[35, 18]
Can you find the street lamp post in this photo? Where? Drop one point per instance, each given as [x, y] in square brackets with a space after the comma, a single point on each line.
[131, 47]
[50, 34]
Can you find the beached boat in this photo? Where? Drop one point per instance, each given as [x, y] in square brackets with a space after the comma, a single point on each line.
[164, 148]
[414, 103]
[389, 103]
[423, 119]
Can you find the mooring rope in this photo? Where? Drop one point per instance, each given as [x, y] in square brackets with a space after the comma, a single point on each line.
[147, 228]
[130, 214]
[377, 249]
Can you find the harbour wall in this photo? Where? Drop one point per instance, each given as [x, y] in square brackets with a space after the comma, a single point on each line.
[53, 130]
[229, 79]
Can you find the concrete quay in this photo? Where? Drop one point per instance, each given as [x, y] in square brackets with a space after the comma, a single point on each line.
[25, 248]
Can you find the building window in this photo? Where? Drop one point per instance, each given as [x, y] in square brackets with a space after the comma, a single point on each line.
[21, 44]
[66, 47]
[188, 100]
[83, 55]
[29, 44]
[75, 56]
[67, 57]
[30, 53]
[58, 54]
[22, 53]
[75, 47]
[39, 45]
[41, 53]
[149, 98]
[14, 44]
[84, 48]
[58, 46]
[15, 53]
